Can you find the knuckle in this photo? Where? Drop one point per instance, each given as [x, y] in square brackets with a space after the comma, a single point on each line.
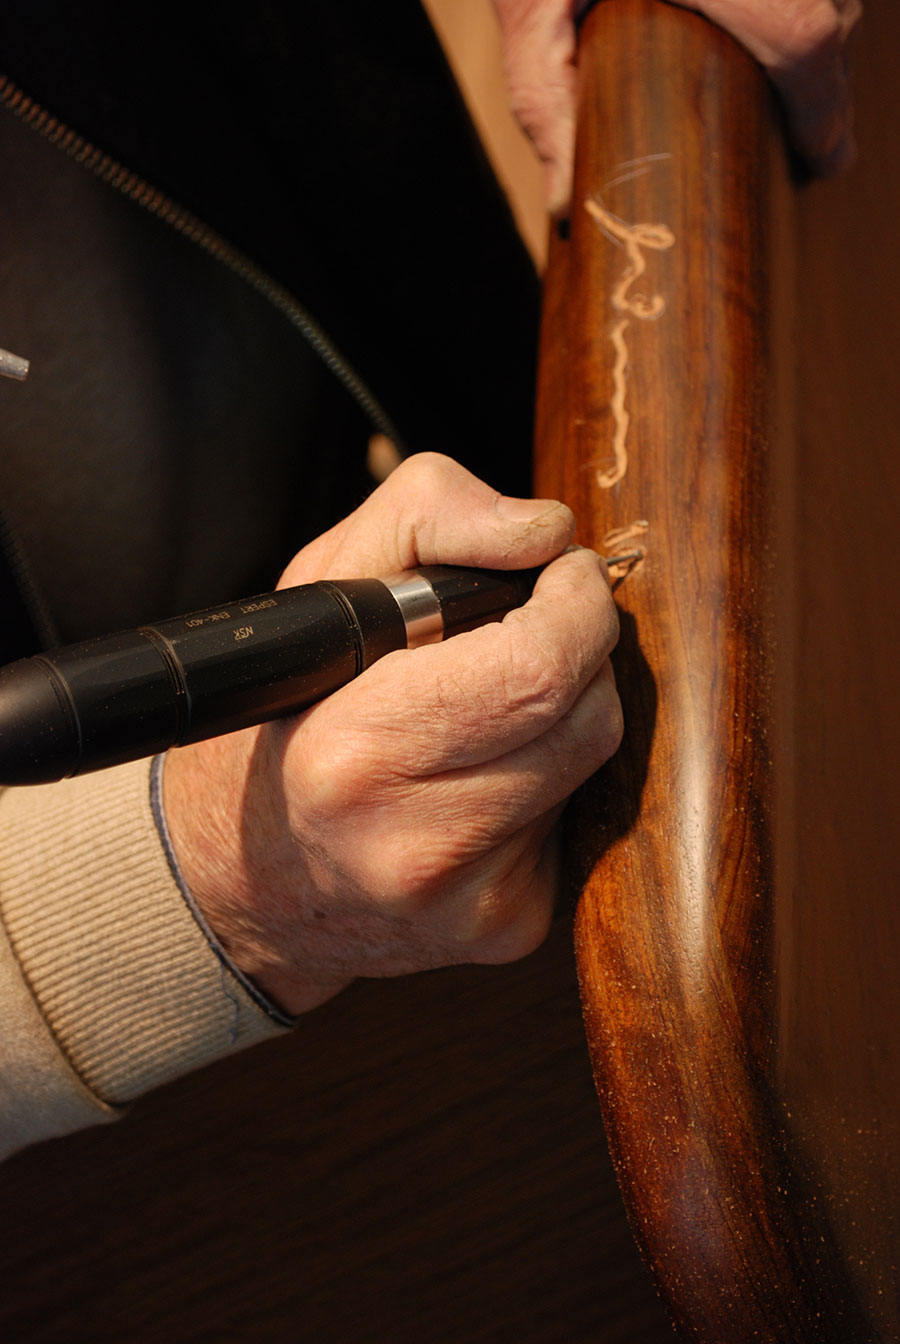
[410, 875]
[538, 683]
[421, 471]
[420, 491]
[334, 776]
[515, 913]
[516, 935]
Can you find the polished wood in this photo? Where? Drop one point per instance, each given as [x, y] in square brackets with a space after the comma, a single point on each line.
[716, 900]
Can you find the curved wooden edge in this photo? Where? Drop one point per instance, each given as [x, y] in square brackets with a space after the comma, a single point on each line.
[655, 423]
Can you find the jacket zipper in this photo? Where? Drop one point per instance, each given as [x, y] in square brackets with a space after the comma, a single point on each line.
[157, 203]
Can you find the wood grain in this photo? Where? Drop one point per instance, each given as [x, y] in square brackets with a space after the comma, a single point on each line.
[664, 417]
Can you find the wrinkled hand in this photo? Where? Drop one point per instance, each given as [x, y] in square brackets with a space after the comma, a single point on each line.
[801, 43]
[408, 821]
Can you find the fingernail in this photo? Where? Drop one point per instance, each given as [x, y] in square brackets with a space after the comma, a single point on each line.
[524, 510]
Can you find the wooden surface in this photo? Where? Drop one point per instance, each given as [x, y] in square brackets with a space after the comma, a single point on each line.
[738, 933]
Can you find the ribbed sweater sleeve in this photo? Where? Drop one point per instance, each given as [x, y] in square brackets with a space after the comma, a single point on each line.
[108, 985]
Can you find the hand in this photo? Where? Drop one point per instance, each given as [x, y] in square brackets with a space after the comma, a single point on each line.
[801, 43]
[408, 821]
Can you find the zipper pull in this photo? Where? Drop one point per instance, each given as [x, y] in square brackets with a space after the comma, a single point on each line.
[13, 366]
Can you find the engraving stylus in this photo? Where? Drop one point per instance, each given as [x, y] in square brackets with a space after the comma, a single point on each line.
[119, 697]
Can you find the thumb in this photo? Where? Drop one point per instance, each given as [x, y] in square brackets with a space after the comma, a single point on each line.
[432, 511]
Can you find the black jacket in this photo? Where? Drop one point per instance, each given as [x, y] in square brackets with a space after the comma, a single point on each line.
[178, 437]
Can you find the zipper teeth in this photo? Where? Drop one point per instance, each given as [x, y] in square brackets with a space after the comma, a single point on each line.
[157, 203]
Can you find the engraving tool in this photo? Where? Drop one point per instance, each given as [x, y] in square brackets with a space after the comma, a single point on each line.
[119, 697]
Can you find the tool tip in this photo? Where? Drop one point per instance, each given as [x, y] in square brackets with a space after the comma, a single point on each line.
[626, 558]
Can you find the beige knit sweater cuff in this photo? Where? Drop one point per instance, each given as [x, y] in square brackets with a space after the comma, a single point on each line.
[121, 976]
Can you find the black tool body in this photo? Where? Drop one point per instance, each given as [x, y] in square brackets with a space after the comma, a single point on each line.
[120, 697]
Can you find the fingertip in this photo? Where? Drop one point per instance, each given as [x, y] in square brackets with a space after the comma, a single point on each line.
[560, 583]
[583, 555]
[541, 529]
